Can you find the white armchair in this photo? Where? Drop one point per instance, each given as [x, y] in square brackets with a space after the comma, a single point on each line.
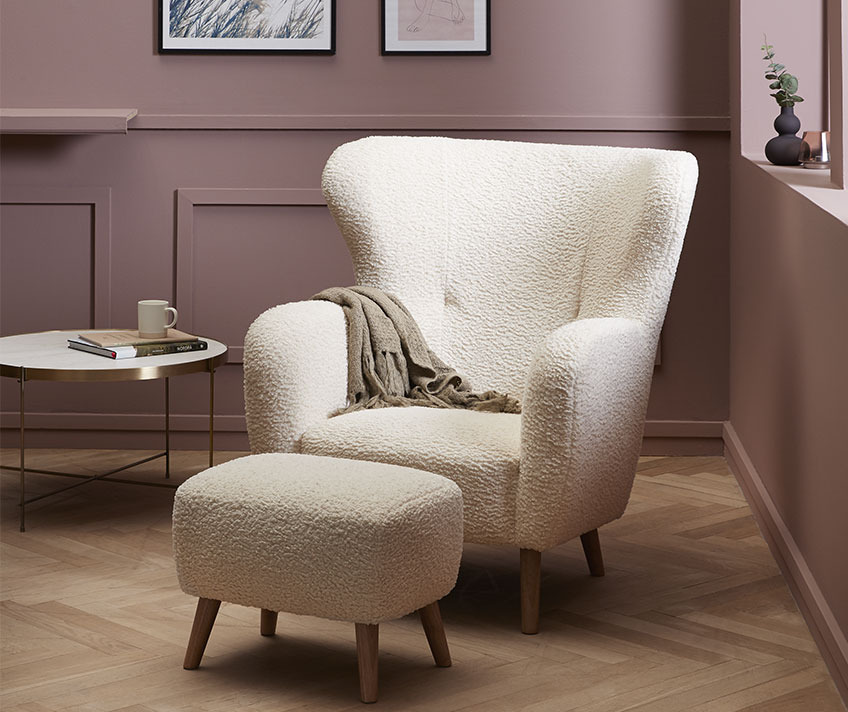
[539, 270]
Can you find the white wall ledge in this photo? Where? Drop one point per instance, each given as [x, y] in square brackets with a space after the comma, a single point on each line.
[65, 121]
[813, 184]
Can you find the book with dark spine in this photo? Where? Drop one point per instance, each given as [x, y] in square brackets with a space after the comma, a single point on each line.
[155, 349]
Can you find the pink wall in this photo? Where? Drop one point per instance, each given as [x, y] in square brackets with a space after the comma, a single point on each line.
[788, 356]
[557, 57]
[572, 72]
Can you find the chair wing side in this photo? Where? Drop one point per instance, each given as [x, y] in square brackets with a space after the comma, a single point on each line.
[631, 269]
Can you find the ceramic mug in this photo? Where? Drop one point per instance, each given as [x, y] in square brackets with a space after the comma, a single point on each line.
[153, 318]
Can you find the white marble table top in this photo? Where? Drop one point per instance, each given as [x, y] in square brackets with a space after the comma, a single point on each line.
[46, 356]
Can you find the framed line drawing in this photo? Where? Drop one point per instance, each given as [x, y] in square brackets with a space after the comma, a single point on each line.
[436, 27]
[247, 26]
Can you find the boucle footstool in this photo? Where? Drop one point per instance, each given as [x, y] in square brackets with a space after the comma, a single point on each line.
[343, 539]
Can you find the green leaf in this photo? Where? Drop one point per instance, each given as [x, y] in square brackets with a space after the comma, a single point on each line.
[778, 67]
[775, 85]
[771, 76]
[789, 83]
[797, 98]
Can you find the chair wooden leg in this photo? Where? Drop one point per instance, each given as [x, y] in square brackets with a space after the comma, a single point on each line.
[531, 579]
[592, 549]
[431, 619]
[367, 647]
[204, 619]
[268, 622]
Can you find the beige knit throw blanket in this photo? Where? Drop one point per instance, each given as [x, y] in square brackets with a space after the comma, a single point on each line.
[389, 363]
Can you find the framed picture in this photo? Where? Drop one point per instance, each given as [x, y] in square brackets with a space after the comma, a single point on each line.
[248, 26]
[436, 27]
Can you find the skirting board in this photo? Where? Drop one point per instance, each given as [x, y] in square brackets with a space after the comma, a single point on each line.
[180, 422]
[682, 438]
[662, 437]
[132, 431]
[815, 609]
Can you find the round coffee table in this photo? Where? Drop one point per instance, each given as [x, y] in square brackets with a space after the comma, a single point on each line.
[45, 356]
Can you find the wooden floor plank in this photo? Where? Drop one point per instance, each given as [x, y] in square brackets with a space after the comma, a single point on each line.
[763, 632]
[692, 615]
[814, 698]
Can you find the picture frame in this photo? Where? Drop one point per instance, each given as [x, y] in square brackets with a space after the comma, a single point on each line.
[247, 26]
[436, 27]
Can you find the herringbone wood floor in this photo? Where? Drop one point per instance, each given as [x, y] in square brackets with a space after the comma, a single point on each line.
[692, 615]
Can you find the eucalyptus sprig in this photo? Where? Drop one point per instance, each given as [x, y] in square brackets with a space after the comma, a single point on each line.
[785, 83]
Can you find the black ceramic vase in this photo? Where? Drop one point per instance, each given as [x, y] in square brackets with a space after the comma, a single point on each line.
[783, 150]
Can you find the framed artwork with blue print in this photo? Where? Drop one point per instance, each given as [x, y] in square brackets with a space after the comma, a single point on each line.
[247, 26]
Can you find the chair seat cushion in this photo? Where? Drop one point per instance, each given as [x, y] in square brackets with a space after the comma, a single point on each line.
[341, 539]
[479, 451]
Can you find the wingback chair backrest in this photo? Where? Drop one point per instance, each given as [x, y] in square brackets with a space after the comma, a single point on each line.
[494, 244]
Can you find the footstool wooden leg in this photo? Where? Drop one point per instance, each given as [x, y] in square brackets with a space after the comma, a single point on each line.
[367, 648]
[268, 623]
[431, 619]
[204, 619]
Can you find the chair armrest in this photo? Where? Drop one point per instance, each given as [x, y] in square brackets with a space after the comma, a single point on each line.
[295, 372]
[581, 431]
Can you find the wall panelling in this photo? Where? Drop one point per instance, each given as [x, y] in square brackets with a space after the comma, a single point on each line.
[214, 189]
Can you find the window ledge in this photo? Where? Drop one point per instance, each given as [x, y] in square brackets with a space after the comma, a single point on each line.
[814, 185]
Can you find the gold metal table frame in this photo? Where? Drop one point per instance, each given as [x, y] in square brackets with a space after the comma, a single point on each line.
[142, 369]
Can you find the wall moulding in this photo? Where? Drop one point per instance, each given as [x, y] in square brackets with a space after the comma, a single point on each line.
[100, 200]
[190, 198]
[424, 122]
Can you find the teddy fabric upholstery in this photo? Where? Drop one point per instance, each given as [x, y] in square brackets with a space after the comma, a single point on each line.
[319, 536]
[348, 540]
[538, 270]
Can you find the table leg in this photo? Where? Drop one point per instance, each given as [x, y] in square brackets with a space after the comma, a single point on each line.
[23, 477]
[167, 427]
[211, 413]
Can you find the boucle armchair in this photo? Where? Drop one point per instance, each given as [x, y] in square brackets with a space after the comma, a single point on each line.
[539, 270]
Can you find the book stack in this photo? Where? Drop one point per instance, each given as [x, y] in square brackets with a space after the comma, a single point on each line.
[126, 343]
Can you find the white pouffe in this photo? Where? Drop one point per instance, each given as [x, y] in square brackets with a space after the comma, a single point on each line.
[344, 539]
